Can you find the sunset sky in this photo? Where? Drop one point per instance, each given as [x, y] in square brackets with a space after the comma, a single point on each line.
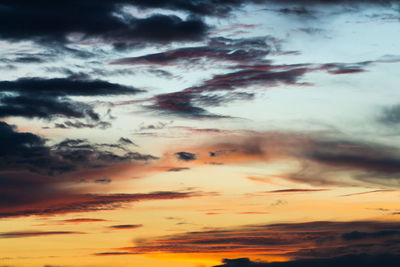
[199, 133]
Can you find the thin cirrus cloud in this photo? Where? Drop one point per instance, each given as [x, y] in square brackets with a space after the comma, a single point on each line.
[125, 226]
[294, 190]
[224, 88]
[24, 234]
[83, 220]
[63, 202]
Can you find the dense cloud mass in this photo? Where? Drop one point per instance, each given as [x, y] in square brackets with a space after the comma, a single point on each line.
[185, 156]
[360, 260]
[48, 21]
[34, 175]
[309, 242]
[28, 151]
[50, 98]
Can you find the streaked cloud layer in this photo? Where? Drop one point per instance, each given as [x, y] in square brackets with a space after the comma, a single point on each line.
[199, 133]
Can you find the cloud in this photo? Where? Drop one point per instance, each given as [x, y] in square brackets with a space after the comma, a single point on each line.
[185, 156]
[241, 82]
[298, 11]
[105, 180]
[242, 50]
[23, 234]
[126, 226]
[81, 125]
[359, 260]
[59, 87]
[369, 192]
[222, 8]
[180, 104]
[50, 98]
[325, 159]
[177, 169]
[83, 220]
[29, 59]
[126, 141]
[51, 22]
[390, 116]
[36, 178]
[62, 202]
[27, 151]
[295, 190]
[356, 235]
[308, 240]
[279, 202]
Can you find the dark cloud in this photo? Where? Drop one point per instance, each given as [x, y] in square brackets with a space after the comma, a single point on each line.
[224, 88]
[63, 87]
[360, 260]
[356, 235]
[311, 30]
[323, 158]
[177, 169]
[62, 202]
[204, 7]
[298, 11]
[353, 155]
[49, 98]
[58, 23]
[221, 152]
[222, 8]
[49, 22]
[46, 108]
[307, 240]
[29, 59]
[296, 190]
[192, 101]
[155, 126]
[162, 28]
[29, 152]
[24, 234]
[35, 177]
[185, 156]
[81, 125]
[105, 180]
[126, 226]
[126, 141]
[181, 104]
[220, 49]
[390, 116]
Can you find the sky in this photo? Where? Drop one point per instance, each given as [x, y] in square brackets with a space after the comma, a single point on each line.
[199, 133]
